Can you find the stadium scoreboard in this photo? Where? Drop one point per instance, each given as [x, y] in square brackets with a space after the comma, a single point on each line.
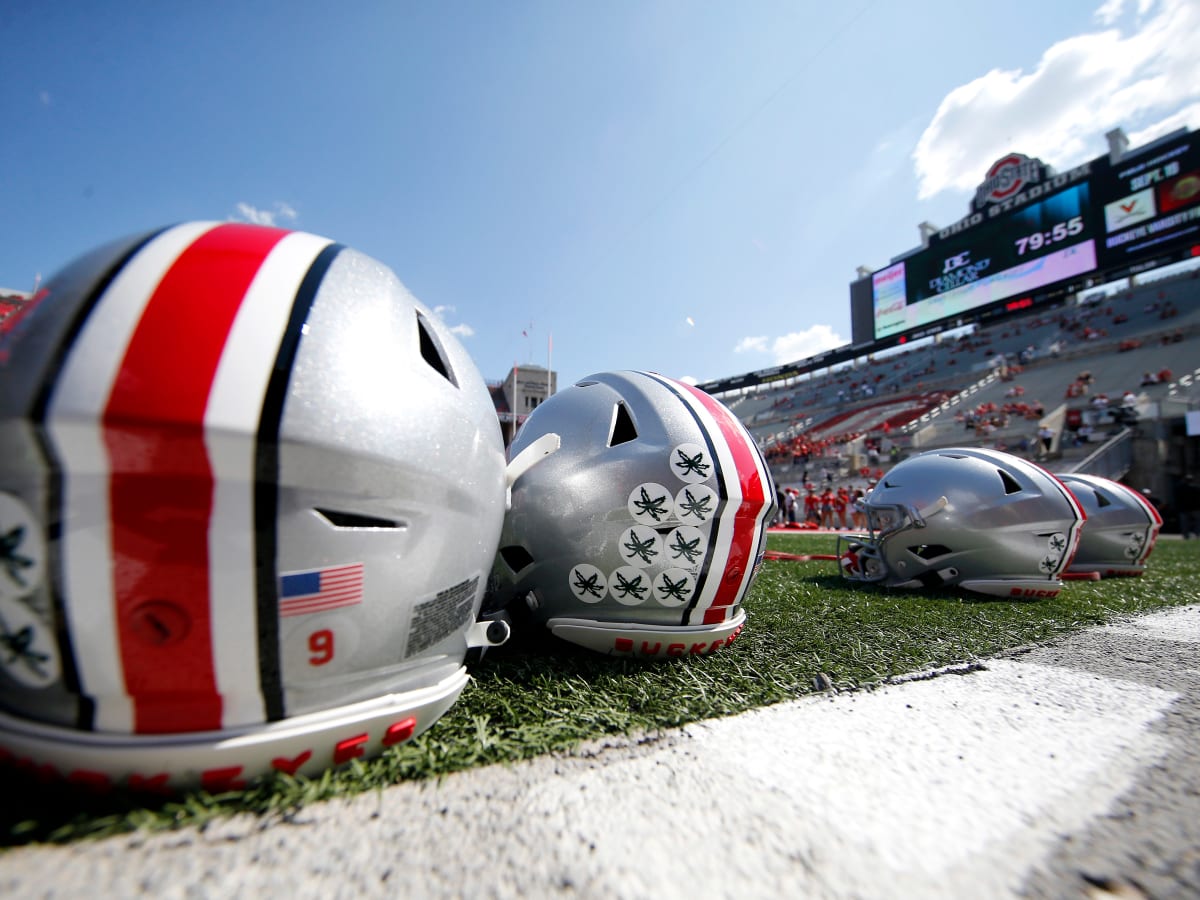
[1033, 236]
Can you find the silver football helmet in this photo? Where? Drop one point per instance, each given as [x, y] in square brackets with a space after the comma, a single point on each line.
[639, 510]
[251, 493]
[984, 520]
[1121, 529]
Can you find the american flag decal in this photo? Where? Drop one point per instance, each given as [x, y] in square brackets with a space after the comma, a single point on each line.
[318, 590]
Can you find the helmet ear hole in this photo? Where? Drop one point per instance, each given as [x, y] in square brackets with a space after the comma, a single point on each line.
[623, 428]
[516, 557]
[431, 351]
[342, 519]
[1011, 485]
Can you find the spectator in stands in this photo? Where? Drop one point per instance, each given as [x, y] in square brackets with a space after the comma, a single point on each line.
[841, 500]
[1188, 502]
[827, 509]
[1164, 375]
[1046, 439]
[812, 508]
[1149, 378]
[857, 516]
[1128, 400]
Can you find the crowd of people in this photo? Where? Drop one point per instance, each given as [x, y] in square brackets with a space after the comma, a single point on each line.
[828, 508]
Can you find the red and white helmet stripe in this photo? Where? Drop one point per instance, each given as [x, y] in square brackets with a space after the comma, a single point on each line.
[738, 537]
[231, 290]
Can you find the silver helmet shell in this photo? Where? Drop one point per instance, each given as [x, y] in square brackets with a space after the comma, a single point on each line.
[983, 520]
[1122, 527]
[251, 494]
[641, 534]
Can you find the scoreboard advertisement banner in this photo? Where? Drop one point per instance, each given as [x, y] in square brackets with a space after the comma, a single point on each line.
[1151, 207]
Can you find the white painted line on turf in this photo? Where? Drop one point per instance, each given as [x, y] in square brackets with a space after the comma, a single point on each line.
[947, 786]
[954, 786]
[1181, 624]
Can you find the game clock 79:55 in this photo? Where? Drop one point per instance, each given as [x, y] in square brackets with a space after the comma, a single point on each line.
[1039, 239]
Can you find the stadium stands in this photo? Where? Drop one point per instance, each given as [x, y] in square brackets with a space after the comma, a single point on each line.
[1084, 370]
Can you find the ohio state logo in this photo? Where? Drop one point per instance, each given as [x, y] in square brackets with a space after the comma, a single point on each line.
[1006, 177]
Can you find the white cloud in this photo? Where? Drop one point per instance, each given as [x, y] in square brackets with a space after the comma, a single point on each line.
[1081, 88]
[1109, 12]
[793, 346]
[280, 213]
[44, 98]
[463, 330]
[752, 345]
[690, 379]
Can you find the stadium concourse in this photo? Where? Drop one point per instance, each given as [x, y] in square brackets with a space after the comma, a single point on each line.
[1060, 386]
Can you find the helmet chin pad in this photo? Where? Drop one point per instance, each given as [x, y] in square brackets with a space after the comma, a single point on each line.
[648, 641]
[231, 758]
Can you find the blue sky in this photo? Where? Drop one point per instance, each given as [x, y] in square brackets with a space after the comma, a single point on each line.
[686, 187]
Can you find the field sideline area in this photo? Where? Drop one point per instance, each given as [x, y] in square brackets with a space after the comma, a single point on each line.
[808, 631]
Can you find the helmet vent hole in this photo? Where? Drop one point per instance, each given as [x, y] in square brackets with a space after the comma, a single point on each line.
[623, 430]
[930, 551]
[431, 351]
[1102, 499]
[340, 519]
[1011, 485]
[516, 557]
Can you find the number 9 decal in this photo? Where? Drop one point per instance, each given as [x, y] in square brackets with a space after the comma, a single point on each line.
[320, 647]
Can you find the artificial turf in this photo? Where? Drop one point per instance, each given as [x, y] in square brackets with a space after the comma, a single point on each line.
[808, 630]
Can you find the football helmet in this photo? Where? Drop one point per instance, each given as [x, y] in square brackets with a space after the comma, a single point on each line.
[984, 520]
[1122, 526]
[638, 518]
[251, 493]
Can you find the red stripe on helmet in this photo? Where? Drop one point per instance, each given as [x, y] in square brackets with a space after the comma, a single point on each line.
[747, 518]
[161, 481]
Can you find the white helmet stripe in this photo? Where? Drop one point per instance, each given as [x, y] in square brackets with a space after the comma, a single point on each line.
[234, 408]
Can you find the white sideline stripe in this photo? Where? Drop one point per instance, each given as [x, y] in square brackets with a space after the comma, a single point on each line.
[946, 786]
[954, 786]
[1170, 625]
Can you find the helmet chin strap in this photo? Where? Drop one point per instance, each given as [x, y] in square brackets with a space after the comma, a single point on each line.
[527, 459]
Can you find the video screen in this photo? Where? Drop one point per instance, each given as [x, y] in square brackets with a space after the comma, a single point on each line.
[1017, 253]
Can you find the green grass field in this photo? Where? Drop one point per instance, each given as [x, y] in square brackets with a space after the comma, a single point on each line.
[539, 697]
